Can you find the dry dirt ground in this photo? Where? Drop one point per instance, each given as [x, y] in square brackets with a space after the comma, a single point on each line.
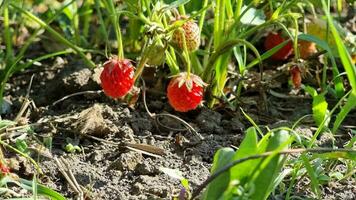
[105, 167]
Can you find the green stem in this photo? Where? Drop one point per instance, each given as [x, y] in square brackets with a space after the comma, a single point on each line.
[185, 52]
[238, 9]
[147, 4]
[140, 67]
[56, 35]
[115, 20]
[7, 35]
[75, 23]
[181, 10]
[202, 16]
[295, 42]
[34, 34]
[87, 18]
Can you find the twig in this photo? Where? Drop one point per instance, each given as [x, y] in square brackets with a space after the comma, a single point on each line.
[63, 167]
[76, 94]
[29, 86]
[235, 162]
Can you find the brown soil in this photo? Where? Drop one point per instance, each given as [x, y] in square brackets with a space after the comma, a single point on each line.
[108, 170]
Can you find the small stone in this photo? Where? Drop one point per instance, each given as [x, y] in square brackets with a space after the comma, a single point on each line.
[137, 188]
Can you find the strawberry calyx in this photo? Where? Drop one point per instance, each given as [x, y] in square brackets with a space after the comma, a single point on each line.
[188, 79]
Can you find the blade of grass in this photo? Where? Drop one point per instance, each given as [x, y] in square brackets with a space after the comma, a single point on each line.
[312, 175]
[109, 4]
[7, 34]
[343, 53]
[38, 59]
[55, 34]
[350, 104]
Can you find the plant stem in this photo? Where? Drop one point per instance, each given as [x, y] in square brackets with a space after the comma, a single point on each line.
[7, 35]
[181, 10]
[115, 20]
[185, 52]
[262, 155]
[75, 23]
[140, 67]
[202, 16]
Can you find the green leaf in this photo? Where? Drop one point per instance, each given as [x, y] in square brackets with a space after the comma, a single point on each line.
[320, 106]
[247, 147]
[350, 104]
[28, 185]
[176, 4]
[343, 53]
[217, 187]
[252, 16]
[267, 54]
[42, 190]
[5, 123]
[268, 169]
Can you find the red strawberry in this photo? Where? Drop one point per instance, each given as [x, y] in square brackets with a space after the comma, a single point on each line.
[185, 93]
[306, 48]
[274, 39]
[4, 169]
[296, 77]
[192, 35]
[117, 78]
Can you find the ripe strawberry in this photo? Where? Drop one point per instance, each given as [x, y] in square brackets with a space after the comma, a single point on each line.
[306, 48]
[117, 78]
[192, 36]
[4, 169]
[296, 77]
[274, 39]
[185, 93]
